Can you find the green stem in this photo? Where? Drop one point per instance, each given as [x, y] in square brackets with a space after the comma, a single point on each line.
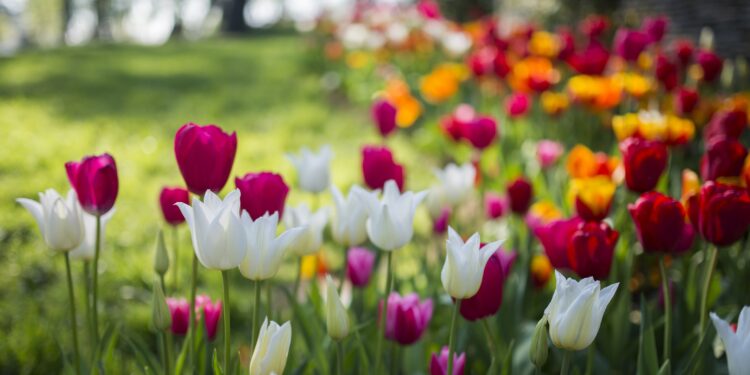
[87, 300]
[710, 266]
[492, 346]
[256, 312]
[667, 310]
[95, 283]
[175, 258]
[564, 369]
[452, 338]
[165, 351]
[339, 357]
[225, 307]
[170, 348]
[161, 281]
[590, 360]
[73, 328]
[297, 279]
[384, 314]
[192, 336]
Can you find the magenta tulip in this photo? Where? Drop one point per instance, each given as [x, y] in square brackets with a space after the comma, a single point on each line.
[629, 44]
[548, 152]
[211, 316]
[95, 181]
[554, 237]
[711, 64]
[655, 28]
[205, 155]
[378, 167]
[180, 311]
[495, 206]
[359, 265]
[384, 115]
[686, 100]
[168, 199]
[481, 132]
[488, 299]
[520, 193]
[261, 193]
[439, 363]
[407, 318]
[517, 105]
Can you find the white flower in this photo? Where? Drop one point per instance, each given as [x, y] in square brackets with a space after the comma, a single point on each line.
[337, 319]
[313, 224]
[86, 249]
[737, 344]
[218, 237]
[575, 311]
[271, 349]
[58, 219]
[457, 182]
[313, 169]
[464, 264]
[391, 220]
[264, 249]
[348, 226]
[435, 201]
[456, 43]
[397, 33]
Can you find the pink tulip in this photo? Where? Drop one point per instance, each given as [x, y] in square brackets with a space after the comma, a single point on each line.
[384, 115]
[495, 206]
[517, 105]
[547, 152]
[407, 318]
[261, 193]
[378, 167]
[711, 64]
[655, 28]
[95, 181]
[168, 198]
[439, 363]
[211, 316]
[480, 132]
[180, 311]
[440, 225]
[629, 44]
[359, 265]
[205, 155]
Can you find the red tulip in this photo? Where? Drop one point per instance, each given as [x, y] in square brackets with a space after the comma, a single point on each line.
[205, 155]
[666, 72]
[180, 311]
[684, 51]
[494, 205]
[168, 198]
[262, 193]
[591, 249]
[378, 167]
[453, 124]
[567, 44]
[439, 362]
[384, 115]
[94, 179]
[723, 213]
[211, 316]
[554, 237]
[429, 9]
[629, 44]
[517, 105]
[730, 124]
[407, 318]
[359, 263]
[644, 162]
[686, 100]
[594, 26]
[592, 60]
[655, 28]
[520, 193]
[488, 299]
[481, 132]
[711, 64]
[724, 157]
[482, 61]
[661, 224]
[440, 225]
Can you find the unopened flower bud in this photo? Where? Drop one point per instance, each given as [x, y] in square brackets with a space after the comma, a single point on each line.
[539, 345]
[162, 319]
[161, 258]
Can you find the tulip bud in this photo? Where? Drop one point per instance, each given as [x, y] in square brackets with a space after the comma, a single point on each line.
[168, 198]
[205, 155]
[378, 167]
[179, 310]
[160, 317]
[711, 65]
[384, 115]
[359, 264]
[95, 181]
[539, 344]
[494, 205]
[262, 193]
[271, 349]
[520, 193]
[337, 319]
[161, 258]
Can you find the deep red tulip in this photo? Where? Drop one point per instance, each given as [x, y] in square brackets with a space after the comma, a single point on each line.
[180, 311]
[591, 249]
[554, 237]
[520, 193]
[378, 167]
[661, 224]
[686, 100]
[592, 60]
[494, 205]
[168, 198]
[730, 124]
[488, 299]
[211, 316]
[384, 115]
[629, 44]
[453, 124]
[407, 318]
[517, 105]
[644, 162]
[594, 26]
[711, 64]
[481, 132]
[683, 49]
[94, 179]
[500, 65]
[439, 362]
[205, 155]
[567, 44]
[655, 28]
[262, 193]
[666, 72]
[359, 264]
[724, 157]
[723, 213]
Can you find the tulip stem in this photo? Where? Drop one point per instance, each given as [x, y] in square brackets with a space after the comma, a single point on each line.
[95, 282]
[165, 351]
[711, 253]
[667, 309]
[192, 337]
[87, 300]
[384, 314]
[339, 357]
[492, 346]
[225, 307]
[564, 369]
[175, 258]
[451, 338]
[298, 279]
[72, 302]
[256, 312]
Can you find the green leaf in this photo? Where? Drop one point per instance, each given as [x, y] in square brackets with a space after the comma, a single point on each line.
[666, 368]
[216, 365]
[648, 362]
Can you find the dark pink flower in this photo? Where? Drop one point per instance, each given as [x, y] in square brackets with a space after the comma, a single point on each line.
[520, 194]
[180, 311]
[711, 64]
[554, 237]
[494, 205]
[440, 225]
[378, 167]
[439, 362]
[517, 105]
[629, 44]
[655, 28]
[205, 155]
[211, 315]
[407, 318]
[686, 100]
[384, 115]
[95, 181]
[168, 198]
[359, 264]
[547, 152]
[480, 132]
[488, 299]
[262, 193]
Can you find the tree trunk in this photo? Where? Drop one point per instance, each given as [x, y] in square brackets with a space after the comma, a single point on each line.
[233, 19]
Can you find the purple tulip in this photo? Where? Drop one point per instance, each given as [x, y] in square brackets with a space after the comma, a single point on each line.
[407, 318]
[95, 181]
[359, 264]
[439, 363]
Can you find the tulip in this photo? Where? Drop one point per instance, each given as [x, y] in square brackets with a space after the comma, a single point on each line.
[517, 105]
[481, 62]
[683, 49]
[736, 341]
[666, 72]
[520, 193]
[555, 237]
[211, 316]
[378, 167]
[541, 270]
[179, 310]
[440, 225]
[271, 349]
[439, 363]
[59, 220]
[724, 157]
[629, 44]
[457, 182]
[500, 65]
[548, 152]
[205, 155]
[730, 124]
[661, 224]
[262, 193]
[464, 264]
[359, 265]
[686, 100]
[94, 179]
[406, 318]
[494, 205]
[591, 249]
[312, 223]
[265, 249]
[486, 302]
[384, 115]
[644, 163]
[723, 213]
[349, 225]
[219, 239]
[313, 169]
[480, 132]
[168, 198]
[390, 220]
[594, 26]
[337, 319]
[592, 197]
[655, 28]
[711, 64]
[592, 60]
[429, 9]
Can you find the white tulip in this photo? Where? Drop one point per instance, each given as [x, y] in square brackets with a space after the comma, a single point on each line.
[271, 349]
[348, 226]
[390, 224]
[58, 219]
[456, 43]
[87, 248]
[313, 169]
[737, 344]
[575, 311]
[337, 320]
[219, 241]
[464, 264]
[457, 182]
[436, 201]
[265, 250]
[313, 224]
